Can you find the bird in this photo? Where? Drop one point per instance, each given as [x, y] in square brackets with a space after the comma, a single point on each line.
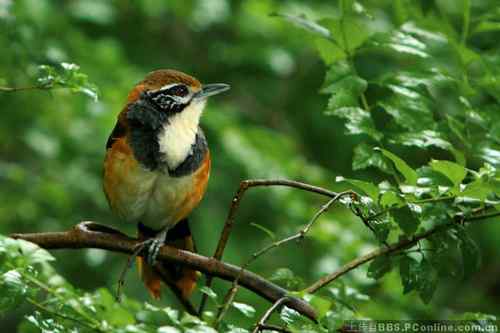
[157, 166]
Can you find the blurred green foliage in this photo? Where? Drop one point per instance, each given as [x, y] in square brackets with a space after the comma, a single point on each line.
[408, 115]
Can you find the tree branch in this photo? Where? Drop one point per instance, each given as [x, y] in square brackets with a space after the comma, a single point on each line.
[235, 203]
[268, 313]
[405, 243]
[93, 235]
[228, 299]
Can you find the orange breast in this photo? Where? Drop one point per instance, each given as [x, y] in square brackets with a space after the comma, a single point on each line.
[193, 198]
[151, 197]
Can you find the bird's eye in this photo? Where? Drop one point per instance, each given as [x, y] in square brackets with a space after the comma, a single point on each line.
[179, 90]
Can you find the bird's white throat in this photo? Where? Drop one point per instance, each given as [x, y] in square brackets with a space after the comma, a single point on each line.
[177, 137]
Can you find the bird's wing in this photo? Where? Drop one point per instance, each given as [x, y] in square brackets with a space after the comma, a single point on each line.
[118, 132]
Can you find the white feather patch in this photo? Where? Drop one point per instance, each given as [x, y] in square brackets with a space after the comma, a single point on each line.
[177, 137]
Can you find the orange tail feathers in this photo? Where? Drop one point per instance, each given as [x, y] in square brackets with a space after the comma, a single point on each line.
[180, 278]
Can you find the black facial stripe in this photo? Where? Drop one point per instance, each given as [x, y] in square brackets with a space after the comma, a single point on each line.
[146, 113]
[165, 99]
[145, 122]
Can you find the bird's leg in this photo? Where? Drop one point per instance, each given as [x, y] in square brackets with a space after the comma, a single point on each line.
[152, 246]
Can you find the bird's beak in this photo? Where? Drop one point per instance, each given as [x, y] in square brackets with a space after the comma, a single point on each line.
[211, 89]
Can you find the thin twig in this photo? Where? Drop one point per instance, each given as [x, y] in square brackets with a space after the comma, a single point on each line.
[301, 234]
[93, 235]
[228, 299]
[267, 314]
[126, 268]
[14, 89]
[235, 203]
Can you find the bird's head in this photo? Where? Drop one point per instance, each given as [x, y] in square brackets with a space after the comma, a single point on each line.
[162, 116]
[166, 94]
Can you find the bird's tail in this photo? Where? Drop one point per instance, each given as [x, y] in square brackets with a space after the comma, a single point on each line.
[180, 278]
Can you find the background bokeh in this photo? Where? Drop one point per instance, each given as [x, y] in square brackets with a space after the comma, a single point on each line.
[269, 125]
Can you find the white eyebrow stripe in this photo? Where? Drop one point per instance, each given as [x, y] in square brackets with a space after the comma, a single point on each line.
[177, 99]
[168, 86]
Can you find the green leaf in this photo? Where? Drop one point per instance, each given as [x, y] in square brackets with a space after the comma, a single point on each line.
[168, 329]
[293, 318]
[457, 127]
[410, 174]
[478, 189]
[459, 156]
[359, 121]
[209, 292]
[349, 32]
[443, 256]
[481, 319]
[406, 219]
[345, 92]
[344, 86]
[288, 315]
[423, 139]
[202, 328]
[428, 280]
[114, 312]
[33, 253]
[471, 255]
[455, 172]
[401, 43]
[368, 188]
[486, 26]
[491, 85]
[320, 304]
[45, 325]
[412, 114]
[328, 51]
[68, 75]
[365, 156]
[410, 103]
[390, 198]
[335, 74]
[247, 310]
[490, 155]
[428, 177]
[379, 267]
[381, 227]
[264, 229]
[12, 290]
[286, 278]
[409, 270]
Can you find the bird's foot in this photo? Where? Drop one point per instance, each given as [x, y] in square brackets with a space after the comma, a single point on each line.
[151, 247]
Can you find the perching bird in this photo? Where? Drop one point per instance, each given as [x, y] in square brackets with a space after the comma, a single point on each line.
[157, 167]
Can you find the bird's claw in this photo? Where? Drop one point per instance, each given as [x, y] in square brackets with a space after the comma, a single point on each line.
[153, 251]
[150, 249]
